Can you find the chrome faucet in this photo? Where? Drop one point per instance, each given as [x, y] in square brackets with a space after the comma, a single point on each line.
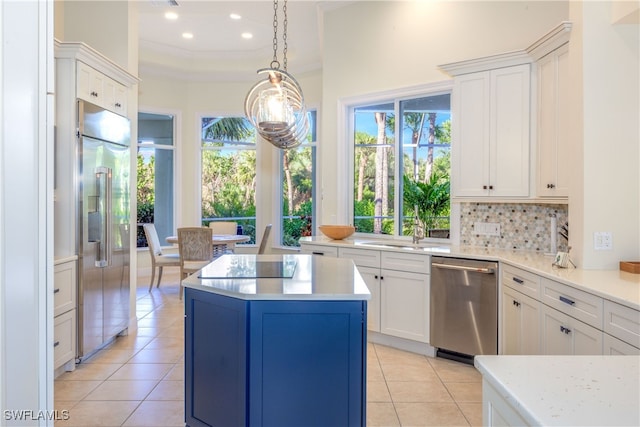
[418, 229]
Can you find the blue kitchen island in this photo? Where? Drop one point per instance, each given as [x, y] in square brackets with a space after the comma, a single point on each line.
[276, 340]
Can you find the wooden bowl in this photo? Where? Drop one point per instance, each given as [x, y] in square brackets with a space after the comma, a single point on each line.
[337, 232]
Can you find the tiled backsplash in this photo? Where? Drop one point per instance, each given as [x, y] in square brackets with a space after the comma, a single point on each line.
[522, 226]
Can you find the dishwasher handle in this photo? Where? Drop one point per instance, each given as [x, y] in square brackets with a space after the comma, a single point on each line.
[464, 268]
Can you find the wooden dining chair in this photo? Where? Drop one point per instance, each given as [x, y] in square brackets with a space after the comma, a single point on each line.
[195, 245]
[224, 227]
[265, 239]
[158, 259]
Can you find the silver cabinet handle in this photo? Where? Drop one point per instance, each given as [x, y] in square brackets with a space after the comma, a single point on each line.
[463, 268]
[518, 281]
[565, 330]
[566, 300]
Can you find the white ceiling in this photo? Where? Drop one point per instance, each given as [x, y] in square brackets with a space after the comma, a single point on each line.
[217, 50]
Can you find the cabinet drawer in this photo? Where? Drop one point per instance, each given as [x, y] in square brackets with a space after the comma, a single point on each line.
[415, 263]
[615, 347]
[319, 250]
[522, 281]
[64, 338]
[64, 287]
[361, 257]
[622, 322]
[581, 305]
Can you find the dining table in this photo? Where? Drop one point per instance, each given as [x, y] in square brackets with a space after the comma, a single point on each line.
[220, 241]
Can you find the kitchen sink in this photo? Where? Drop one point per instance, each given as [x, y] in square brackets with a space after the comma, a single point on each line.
[403, 245]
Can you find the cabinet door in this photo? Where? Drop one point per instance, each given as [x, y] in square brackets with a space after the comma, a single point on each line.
[565, 335]
[64, 336]
[470, 131]
[371, 277]
[404, 305]
[64, 287]
[553, 124]
[115, 96]
[520, 323]
[90, 84]
[509, 131]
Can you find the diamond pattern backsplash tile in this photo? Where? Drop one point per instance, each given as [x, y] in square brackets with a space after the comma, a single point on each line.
[522, 226]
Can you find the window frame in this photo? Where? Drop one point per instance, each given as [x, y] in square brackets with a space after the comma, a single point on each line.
[346, 167]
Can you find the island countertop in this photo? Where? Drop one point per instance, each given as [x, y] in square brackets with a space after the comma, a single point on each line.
[567, 390]
[281, 277]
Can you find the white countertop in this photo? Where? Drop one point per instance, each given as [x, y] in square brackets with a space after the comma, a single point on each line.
[567, 390]
[614, 285]
[314, 278]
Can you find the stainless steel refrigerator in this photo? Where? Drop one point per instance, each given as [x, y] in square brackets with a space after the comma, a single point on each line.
[103, 237]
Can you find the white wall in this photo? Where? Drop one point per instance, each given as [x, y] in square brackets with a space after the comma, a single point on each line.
[605, 190]
[376, 46]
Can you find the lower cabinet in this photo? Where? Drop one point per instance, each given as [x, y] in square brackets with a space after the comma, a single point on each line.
[274, 363]
[404, 304]
[521, 324]
[371, 277]
[562, 334]
[612, 346]
[64, 312]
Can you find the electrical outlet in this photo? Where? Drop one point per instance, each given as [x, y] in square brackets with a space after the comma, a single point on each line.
[487, 228]
[602, 241]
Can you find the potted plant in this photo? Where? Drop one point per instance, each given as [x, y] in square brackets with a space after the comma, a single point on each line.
[430, 199]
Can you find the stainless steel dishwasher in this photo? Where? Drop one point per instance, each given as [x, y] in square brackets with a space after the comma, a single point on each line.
[464, 307]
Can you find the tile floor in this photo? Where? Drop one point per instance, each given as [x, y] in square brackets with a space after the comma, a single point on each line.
[138, 380]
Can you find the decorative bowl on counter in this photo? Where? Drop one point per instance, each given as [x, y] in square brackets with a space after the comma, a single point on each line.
[337, 232]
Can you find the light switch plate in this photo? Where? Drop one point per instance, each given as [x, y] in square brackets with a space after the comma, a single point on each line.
[487, 228]
[602, 241]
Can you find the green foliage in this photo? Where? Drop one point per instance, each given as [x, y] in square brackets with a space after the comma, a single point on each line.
[145, 216]
[431, 198]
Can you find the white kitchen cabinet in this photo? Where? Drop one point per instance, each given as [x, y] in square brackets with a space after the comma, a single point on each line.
[491, 131]
[95, 87]
[318, 250]
[553, 124]
[581, 305]
[614, 347]
[371, 277]
[622, 323]
[64, 311]
[520, 323]
[563, 334]
[404, 304]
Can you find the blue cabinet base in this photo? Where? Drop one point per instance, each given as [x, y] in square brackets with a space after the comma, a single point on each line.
[274, 363]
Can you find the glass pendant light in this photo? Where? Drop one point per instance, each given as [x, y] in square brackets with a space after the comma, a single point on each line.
[275, 104]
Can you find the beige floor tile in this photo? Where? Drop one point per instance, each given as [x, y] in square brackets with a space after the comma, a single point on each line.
[99, 413]
[112, 355]
[401, 372]
[392, 356]
[148, 332]
[176, 373]
[122, 390]
[90, 371]
[166, 342]
[465, 392]
[381, 415]
[156, 322]
[418, 391]
[450, 371]
[167, 355]
[377, 391]
[430, 414]
[472, 412]
[157, 414]
[142, 371]
[168, 390]
[135, 340]
[73, 390]
[175, 330]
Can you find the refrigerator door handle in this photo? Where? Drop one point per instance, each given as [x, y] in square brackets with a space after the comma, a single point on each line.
[103, 190]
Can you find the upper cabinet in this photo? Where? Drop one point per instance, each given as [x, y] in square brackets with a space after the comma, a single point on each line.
[491, 109]
[509, 128]
[552, 124]
[97, 88]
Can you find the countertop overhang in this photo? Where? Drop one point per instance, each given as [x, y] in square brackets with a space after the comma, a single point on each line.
[314, 278]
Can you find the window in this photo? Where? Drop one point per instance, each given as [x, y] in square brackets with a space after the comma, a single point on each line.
[384, 188]
[155, 180]
[228, 186]
[298, 189]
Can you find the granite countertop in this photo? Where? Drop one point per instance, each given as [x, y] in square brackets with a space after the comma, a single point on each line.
[567, 390]
[281, 277]
[614, 285]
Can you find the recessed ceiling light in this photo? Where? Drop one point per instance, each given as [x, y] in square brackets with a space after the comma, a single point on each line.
[187, 35]
[172, 16]
[247, 36]
[235, 16]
